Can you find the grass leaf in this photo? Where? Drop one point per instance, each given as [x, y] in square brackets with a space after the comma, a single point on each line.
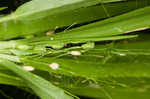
[41, 87]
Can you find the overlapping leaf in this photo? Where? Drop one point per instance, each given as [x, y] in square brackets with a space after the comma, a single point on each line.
[40, 86]
[40, 16]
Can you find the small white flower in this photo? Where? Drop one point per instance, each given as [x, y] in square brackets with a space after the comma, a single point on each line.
[51, 38]
[54, 66]
[121, 54]
[28, 68]
[76, 53]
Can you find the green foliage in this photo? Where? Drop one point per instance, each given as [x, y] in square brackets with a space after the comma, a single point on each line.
[92, 48]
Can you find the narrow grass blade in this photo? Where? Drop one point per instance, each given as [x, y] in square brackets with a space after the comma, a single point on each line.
[41, 16]
[29, 17]
[2, 8]
[10, 80]
[112, 26]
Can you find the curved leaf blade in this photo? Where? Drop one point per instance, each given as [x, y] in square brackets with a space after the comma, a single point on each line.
[41, 87]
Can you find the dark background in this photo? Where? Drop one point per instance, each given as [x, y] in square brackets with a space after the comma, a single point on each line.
[11, 4]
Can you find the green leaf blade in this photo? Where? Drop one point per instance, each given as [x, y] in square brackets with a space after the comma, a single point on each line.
[41, 87]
